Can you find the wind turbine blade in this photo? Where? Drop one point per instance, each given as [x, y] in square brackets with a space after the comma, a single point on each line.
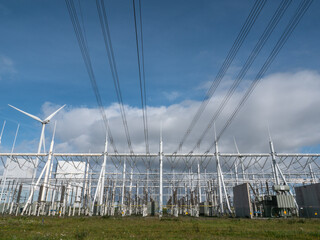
[4, 124]
[51, 116]
[28, 114]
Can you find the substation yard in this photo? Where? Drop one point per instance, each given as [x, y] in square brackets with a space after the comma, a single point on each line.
[155, 228]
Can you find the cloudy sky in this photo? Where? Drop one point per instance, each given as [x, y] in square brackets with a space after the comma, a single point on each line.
[185, 44]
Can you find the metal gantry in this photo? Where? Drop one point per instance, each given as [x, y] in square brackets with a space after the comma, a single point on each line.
[69, 184]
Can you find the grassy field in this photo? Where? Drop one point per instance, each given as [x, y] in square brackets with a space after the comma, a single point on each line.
[153, 228]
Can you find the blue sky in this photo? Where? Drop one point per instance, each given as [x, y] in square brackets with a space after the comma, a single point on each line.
[185, 43]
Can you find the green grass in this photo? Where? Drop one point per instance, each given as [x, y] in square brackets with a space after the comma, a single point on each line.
[153, 228]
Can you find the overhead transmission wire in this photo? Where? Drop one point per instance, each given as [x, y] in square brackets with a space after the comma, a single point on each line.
[87, 61]
[113, 67]
[276, 17]
[142, 77]
[82, 21]
[144, 81]
[246, 27]
[294, 21]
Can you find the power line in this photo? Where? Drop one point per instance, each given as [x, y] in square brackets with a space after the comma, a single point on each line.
[251, 19]
[142, 78]
[113, 67]
[276, 17]
[294, 21]
[86, 58]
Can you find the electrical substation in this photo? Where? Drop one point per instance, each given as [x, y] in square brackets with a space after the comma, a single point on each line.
[273, 184]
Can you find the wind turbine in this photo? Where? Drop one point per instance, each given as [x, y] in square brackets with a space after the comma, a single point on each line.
[43, 122]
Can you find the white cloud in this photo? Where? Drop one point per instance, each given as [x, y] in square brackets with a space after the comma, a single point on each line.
[204, 85]
[7, 66]
[171, 96]
[287, 102]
